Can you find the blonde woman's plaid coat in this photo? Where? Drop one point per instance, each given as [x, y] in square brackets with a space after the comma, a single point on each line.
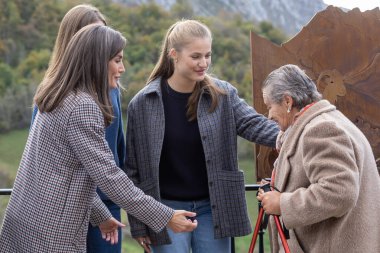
[219, 130]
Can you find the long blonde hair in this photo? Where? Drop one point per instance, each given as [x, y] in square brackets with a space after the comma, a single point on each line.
[76, 18]
[178, 36]
[84, 67]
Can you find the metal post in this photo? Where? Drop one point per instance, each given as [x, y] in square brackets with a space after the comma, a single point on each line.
[261, 236]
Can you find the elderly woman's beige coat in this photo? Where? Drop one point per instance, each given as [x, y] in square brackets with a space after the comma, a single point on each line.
[330, 185]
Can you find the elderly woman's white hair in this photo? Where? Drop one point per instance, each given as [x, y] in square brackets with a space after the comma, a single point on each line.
[292, 81]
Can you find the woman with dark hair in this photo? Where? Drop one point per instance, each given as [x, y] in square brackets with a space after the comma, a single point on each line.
[325, 180]
[66, 157]
[76, 18]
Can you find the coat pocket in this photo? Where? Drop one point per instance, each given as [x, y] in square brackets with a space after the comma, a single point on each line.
[230, 195]
[230, 188]
[80, 236]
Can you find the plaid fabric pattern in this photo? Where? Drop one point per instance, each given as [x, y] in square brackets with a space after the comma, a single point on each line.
[219, 131]
[65, 158]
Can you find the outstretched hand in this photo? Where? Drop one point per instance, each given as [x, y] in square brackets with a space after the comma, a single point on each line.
[182, 221]
[109, 230]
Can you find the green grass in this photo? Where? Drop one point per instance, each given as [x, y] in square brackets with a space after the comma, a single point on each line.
[12, 145]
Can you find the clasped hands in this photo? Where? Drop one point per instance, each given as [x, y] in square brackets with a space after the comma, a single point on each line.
[270, 201]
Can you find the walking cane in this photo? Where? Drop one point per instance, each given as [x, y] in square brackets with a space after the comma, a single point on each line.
[263, 224]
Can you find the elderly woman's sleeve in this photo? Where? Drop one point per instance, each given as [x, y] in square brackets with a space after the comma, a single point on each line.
[250, 124]
[329, 162]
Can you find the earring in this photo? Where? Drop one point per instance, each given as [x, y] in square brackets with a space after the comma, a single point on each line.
[176, 60]
[288, 111]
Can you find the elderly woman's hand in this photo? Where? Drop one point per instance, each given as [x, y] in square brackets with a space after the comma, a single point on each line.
[270, 201]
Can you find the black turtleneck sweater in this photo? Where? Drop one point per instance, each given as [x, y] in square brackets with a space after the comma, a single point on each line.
[183, 174]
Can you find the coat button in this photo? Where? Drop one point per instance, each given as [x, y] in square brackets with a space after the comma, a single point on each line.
[216, 227]
[213, 206]
[210, 183]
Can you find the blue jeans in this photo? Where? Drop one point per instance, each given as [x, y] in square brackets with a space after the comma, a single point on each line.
[201, 240]
[95, 242]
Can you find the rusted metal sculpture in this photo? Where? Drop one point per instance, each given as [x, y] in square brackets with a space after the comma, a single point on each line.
[340, 51]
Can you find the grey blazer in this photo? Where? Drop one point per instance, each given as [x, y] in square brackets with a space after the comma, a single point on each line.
[65, 158]
[219, 131]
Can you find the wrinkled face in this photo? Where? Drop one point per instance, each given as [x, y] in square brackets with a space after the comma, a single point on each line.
[115, 69]
[192, 62]
[278, 112]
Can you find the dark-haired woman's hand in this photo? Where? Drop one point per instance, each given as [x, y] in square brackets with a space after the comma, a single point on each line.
[109, 230]
[182, 222]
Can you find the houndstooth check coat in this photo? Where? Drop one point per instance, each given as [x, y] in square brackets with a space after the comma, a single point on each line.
[65, 158]
[219, 131]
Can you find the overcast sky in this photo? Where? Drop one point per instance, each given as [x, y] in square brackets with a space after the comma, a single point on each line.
[350, 4]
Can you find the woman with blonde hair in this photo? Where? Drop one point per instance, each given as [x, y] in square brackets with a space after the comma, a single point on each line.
[66, 157]
[190, 160]
[76, 18]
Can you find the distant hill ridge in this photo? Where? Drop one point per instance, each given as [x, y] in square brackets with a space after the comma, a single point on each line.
[288, 15]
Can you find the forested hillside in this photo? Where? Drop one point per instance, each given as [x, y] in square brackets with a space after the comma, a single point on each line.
[289, 15]
[28, 29]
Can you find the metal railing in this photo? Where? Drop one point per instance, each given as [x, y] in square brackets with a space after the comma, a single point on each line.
[5, 191]
[248, 187]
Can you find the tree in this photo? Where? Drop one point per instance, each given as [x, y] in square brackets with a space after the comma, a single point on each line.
[9, 20]
[182, 9]
[273, 34]
[6, 77]
[33, 67]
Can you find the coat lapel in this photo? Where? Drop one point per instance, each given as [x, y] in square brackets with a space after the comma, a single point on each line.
[155, 109]
[290, 145]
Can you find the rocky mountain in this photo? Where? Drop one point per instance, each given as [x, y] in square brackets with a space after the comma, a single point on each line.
[288, 15]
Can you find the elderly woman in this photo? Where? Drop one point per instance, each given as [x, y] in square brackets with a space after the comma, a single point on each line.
[325, 181]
